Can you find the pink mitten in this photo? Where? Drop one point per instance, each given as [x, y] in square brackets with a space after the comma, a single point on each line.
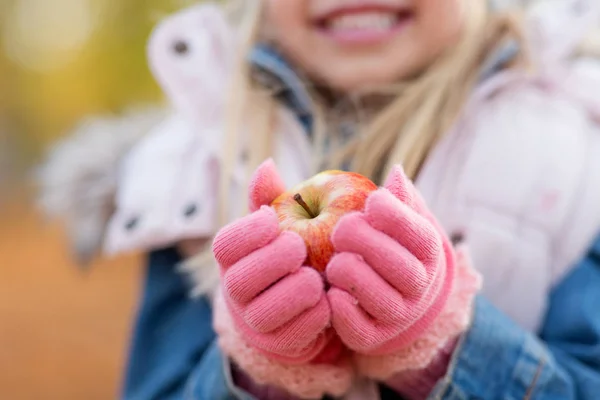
[273, 317]
[392, 279]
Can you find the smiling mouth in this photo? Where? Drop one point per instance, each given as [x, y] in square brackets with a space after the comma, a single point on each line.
[364, 25]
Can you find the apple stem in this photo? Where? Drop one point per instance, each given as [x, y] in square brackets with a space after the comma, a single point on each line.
[301, 201]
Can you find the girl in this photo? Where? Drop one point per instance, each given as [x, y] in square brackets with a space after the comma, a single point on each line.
[499, 132]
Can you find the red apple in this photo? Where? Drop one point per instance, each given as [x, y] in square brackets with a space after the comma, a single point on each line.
[313, 208]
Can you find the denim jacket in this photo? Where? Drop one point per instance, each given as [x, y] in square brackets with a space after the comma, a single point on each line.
[174, 353]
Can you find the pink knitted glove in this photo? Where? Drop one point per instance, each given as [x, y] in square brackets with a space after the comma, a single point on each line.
[272, 315]
[414, 370]
[391, 281]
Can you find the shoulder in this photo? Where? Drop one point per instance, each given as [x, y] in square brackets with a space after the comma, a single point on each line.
[553, 33]
[544, 132]
[561, 102]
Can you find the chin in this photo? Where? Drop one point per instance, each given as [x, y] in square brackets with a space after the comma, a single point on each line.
[363, 76]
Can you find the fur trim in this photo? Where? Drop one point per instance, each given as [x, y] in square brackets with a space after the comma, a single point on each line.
[203, 272]
[77, 182]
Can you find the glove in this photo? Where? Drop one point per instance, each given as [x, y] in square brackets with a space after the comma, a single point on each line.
[272, 313]
[391, 282]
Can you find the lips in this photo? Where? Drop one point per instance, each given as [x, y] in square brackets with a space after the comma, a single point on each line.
[363, 23]
[370, 20]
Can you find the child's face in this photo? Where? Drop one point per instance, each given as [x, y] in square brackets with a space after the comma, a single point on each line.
[353, 44]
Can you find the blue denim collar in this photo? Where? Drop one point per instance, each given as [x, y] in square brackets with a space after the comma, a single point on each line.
[271, 63]
[289, 87]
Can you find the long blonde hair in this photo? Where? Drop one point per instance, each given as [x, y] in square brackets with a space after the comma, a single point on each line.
[403, 132]
[426, 107]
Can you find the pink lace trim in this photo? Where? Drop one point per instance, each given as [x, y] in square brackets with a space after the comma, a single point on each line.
[308, 381]
[453, 320]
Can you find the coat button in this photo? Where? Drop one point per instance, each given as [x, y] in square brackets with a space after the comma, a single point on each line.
[181, 47]
[457, 238]
[132, 224]
[190, 210]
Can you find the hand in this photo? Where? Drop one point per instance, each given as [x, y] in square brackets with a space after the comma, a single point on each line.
[393, 271]
[278, 305]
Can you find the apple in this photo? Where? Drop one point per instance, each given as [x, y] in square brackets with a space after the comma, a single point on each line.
[313, 208]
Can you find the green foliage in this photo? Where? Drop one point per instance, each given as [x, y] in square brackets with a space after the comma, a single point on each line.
[107, 74]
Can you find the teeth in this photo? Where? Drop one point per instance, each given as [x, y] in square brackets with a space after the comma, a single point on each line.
[365, 21]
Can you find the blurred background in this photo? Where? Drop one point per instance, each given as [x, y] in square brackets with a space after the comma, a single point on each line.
[63, 331]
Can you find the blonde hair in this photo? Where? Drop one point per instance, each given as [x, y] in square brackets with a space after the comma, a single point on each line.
[428, 106]
[403, 132]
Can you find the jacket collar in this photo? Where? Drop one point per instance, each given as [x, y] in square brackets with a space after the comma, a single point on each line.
[276, 73]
